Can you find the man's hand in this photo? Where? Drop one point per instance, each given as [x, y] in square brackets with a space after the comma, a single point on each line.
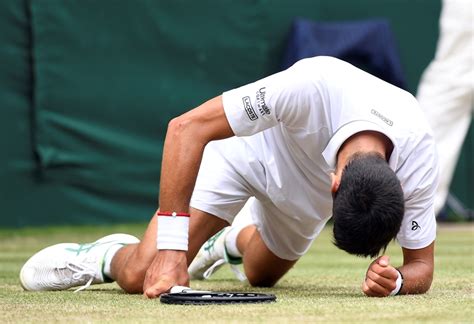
[380, 279]
[168, 269]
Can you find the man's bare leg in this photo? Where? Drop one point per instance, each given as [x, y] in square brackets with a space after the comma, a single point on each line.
[130, 263]
[262, 267]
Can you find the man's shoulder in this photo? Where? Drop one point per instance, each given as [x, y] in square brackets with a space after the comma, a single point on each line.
[322, 64]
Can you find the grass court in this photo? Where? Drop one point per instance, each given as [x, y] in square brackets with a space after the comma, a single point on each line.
[324, 286]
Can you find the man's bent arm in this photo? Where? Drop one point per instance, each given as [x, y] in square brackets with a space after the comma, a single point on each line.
[417, 270]
[186, 138]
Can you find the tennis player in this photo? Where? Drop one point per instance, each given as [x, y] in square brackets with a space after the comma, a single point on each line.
[320, 139]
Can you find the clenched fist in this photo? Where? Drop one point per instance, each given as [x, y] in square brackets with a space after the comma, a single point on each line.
[381, 278]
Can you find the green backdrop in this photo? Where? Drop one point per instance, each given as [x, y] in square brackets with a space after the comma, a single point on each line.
[88, 87]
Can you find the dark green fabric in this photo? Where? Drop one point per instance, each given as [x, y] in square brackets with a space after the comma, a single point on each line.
[15, 89]
[109, 77]
[87, 88]
[16, 158]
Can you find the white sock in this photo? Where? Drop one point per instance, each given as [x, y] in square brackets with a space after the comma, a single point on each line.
[231, 242]
[109, 255]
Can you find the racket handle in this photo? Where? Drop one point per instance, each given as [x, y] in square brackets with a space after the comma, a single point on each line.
[184, 290]
[179, 289]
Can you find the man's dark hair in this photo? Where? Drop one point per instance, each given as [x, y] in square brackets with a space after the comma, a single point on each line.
[368, 207]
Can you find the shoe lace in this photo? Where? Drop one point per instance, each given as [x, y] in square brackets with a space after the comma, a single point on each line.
[208, 273]
[81, 272]
[235, 269]
[239, 274]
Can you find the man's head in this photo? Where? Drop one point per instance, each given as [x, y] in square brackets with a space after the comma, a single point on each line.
[368, 205]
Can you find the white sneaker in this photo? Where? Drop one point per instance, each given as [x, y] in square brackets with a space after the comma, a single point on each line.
[212, 256]
[67, 265]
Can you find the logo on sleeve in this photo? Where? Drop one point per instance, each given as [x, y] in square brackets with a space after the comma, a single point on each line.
[261, 104]
[415, 226]
[249, 109]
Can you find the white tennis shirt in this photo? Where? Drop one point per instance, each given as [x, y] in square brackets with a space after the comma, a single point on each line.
[299, 118]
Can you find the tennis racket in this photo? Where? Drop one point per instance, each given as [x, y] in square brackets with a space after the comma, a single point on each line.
[186, 296]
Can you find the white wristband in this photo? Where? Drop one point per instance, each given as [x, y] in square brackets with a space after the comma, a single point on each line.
[399, 284]
[172, 233]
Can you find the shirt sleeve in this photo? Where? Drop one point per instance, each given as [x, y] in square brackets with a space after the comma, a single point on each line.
[286, 97]
[418, 228]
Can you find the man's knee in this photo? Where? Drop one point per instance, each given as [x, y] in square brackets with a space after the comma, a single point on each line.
[262, 267]
[268, 275]
[261, 279]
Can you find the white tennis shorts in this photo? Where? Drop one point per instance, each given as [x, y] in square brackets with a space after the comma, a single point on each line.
[229, 175]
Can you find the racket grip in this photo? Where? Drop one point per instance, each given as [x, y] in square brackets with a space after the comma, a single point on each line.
[179, 289]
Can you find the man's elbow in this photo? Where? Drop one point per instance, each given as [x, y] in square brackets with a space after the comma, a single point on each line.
[423, 284]
[178, 125]
[183, 129]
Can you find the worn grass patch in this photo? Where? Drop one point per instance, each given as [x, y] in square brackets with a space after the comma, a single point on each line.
[324, 286]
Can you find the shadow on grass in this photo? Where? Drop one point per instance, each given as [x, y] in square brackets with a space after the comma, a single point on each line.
[224, 285]
[310, 290]
[105, 291]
